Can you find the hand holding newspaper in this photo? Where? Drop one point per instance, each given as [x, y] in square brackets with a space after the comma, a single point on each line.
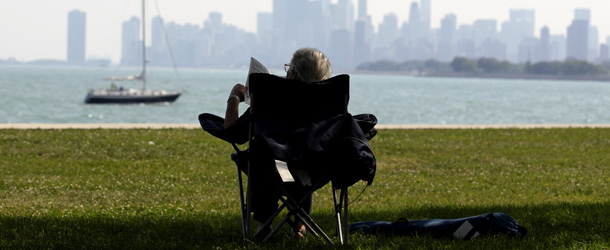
[255, 67]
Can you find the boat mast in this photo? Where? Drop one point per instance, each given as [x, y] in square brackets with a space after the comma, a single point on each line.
[143, 44]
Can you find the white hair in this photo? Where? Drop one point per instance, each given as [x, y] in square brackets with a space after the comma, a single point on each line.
[310, 65]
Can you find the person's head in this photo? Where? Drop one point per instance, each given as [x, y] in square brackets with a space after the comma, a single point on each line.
[309, 65]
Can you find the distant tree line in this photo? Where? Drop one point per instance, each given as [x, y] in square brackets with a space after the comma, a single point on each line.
[569, 67]
[418, 66]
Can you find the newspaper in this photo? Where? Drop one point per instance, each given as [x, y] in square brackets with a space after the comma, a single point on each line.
[255, 67]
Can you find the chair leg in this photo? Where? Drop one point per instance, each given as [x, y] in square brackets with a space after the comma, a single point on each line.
[338, 202]
[341, 216]
[248, 208]
[245, 214]
[269, 221]
[313, 226]
[345, 215]
[276, 228]
[301, 215]
[244, 221]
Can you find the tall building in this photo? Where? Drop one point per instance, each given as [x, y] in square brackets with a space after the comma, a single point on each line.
[319, 32]
[184, 47]
[159, 50]
[77, 22]
[465, 31]
[362, 10]
[157, 36]
[340, 52]
[520, 26]
[484, 29]
[465, 45]
[388, 30]
[215, 20]
[604, 53]
[424, 16]
[558, 47]
[414, 25]
[545, 44]
[582, 14]
[585, 15]
[528, 50]
[345, 15]
[131, 45]
[577, 41]
[525, 19]
[493, 48]
[264, 27]
[362, 49]
[446, 38]
[364, 16]
[593, 43]
[280, 17]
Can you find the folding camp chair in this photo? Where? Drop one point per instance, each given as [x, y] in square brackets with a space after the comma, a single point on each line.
[300, 137]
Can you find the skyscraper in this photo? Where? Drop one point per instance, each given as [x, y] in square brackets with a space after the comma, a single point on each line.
[131, 46]
[215, 20]
[582, 14]
[159, 55]
[577, 42]
[446, 38]
[362, 49]
[520, 26]
[413, 32]
[158, 39]
[341, 49]
[465, 45]
[280, 17]
[558, 47]
[388, 30]
[493, 48]
[593, 43]
[484, 29]
[528, 50]
[604, 53]
[545, 44]
[362, 9]
[525, 20]
[77, 21]
[424, 16]
[585, 15]
[264, 27]
[345, 15]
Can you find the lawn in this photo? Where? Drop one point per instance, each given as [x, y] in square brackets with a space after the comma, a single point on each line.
[177, 188]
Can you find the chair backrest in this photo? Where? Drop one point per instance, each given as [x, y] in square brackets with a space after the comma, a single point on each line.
[307, 124]
[276, 98]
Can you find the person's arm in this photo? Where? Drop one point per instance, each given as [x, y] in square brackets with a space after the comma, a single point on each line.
[232, 112]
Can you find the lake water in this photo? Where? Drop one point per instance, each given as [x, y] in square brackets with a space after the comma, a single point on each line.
[42, 94]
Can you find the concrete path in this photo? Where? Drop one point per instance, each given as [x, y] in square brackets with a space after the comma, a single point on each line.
[196, 126]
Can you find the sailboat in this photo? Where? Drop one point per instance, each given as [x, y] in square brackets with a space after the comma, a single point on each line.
[129, 95]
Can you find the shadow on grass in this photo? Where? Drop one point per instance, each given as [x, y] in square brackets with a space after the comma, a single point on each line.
[550, 226]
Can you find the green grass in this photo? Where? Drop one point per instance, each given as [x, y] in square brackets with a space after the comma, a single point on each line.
[176, 188]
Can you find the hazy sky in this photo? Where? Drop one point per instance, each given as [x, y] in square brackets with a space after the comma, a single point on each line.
[37, 29]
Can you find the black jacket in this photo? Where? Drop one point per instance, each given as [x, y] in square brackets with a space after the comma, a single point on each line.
[337, 145]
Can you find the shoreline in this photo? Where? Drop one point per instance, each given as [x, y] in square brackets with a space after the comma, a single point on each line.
[598, 78]
[50, 126]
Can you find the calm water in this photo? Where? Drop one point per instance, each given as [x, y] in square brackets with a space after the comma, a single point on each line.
[32, 94]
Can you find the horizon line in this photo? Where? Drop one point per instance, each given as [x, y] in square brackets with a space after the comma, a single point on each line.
[50, 126]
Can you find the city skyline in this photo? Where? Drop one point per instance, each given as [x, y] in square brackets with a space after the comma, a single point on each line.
[102, 41]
